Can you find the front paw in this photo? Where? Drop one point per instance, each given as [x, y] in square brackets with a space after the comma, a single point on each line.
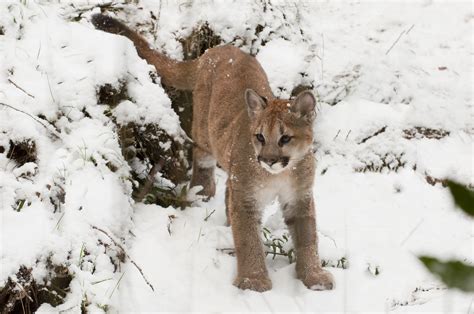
[318, 279]
[259, 284]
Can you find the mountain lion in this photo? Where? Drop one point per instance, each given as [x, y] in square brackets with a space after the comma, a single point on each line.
[263, 143]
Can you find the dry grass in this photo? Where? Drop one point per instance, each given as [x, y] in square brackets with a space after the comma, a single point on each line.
[386, 162]
[422, 132]
[24, 295]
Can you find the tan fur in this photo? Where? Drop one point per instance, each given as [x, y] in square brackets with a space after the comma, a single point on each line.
[233, 103]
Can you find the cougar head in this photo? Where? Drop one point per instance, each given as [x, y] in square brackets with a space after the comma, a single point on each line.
[281, 130]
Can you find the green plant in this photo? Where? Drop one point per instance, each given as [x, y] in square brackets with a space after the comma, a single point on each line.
[167, 196]
[278, 245]
[20, 204]
[340, 263]
[463, 197]
[455, 274]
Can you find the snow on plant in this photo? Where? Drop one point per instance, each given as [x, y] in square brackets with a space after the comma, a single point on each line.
[63, 172]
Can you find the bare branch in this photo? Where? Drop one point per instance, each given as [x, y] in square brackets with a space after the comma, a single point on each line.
[24, 91]
[126, 254]
[49, 127]
[207, 217]
[399, 36]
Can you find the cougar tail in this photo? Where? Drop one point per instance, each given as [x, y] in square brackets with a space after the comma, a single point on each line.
[180, 75]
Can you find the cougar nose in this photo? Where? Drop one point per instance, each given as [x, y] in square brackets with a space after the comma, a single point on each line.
[268, 160]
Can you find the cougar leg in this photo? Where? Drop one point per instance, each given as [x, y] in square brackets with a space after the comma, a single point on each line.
[203, 172]
[245, 222]
[300, 218]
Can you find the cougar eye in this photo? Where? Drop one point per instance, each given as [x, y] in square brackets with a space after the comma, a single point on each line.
[260, 138]
[285, 139]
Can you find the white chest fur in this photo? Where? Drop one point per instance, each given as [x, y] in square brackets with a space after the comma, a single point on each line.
[277, 186]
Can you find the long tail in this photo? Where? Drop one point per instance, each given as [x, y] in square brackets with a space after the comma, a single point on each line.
[180, 75]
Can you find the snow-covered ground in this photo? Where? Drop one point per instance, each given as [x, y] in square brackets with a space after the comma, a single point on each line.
[394, 84]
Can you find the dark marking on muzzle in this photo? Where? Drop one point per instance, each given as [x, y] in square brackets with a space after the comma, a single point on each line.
[273, 160]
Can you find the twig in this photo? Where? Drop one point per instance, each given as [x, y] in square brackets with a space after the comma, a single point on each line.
[60, 218]
[24, 91]
[170, 220]
[395, 42]
[39, 51]
[412, 232]
[48, 127]
[158, 17]
[50, 90]
[99, 281]
[231, 252]
[116, 285]
[126, 254]
[134, 77]
[226, 249]
[470, 306]
[347, 136]
[207, 217]
[373, 135]
[399, 36]
[26, 293]
[276, 253]
[336, 135]
[199, 235]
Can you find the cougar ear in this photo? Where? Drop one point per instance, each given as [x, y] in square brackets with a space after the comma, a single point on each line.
[255, 103]
[305, 105]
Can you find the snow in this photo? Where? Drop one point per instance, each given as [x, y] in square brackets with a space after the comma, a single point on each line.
[378, 69]
[283, 62]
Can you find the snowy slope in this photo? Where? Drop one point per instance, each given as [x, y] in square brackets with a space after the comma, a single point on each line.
[394, 84]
